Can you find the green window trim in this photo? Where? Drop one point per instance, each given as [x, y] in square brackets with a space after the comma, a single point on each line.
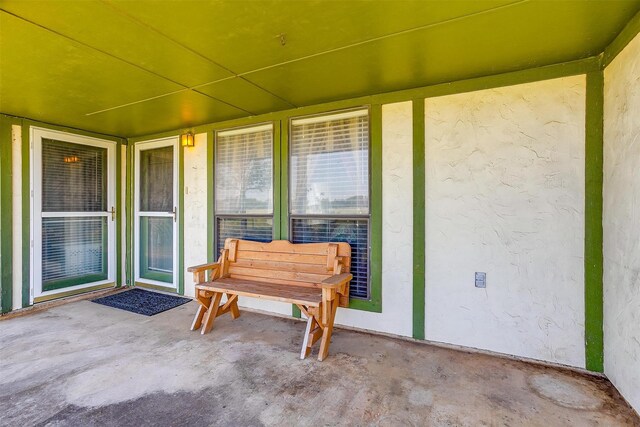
[593, 237]
[419, 220]
[6, 215]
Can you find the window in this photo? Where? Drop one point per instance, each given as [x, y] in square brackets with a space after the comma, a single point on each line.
[244, 184]
[329, 186]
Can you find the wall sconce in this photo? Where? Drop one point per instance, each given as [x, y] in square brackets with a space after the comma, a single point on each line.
[187, 139]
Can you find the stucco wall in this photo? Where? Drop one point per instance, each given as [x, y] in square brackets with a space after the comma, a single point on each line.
[195, 208]
[505, 196]
[621, 222]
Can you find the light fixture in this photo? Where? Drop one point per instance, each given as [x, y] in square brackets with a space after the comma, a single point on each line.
[187, 139]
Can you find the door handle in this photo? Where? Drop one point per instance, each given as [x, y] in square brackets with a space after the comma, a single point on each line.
[113, 213]
[173, 212]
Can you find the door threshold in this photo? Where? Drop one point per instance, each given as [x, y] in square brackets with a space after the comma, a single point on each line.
[45, 298]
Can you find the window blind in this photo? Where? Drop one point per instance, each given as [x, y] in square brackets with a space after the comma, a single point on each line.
[330, 165]
[244, 176]
[353, 231]
[244, 184]
[156, 180]
[74, 177]
[258, 229]
[329, 186]
[73, 248]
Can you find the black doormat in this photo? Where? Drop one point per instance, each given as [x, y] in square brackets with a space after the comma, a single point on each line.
[142, 302]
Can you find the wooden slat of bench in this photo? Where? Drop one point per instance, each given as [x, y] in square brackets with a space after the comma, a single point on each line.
[277, 281]
[277, 274]
[283, 257]
[275, 292]
[285, 246]
[281, 266]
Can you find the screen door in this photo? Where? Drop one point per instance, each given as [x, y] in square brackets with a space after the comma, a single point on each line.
[155, 206]
[73, 226]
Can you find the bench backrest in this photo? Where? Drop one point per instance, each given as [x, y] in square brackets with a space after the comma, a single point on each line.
[283, 262]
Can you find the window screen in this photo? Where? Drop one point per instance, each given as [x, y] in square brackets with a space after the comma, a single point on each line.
[329, 186]
[74, 247]
[244, 184]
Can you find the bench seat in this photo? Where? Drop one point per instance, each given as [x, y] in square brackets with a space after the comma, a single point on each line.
[285, 293]
[313, 276]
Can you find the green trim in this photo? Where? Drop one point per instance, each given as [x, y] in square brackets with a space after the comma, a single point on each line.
[26, 215]
[211, 170]
[277, 184]
[593, 263]
[145, 272]
[180, 218]
[119, 216]
[75, 281]
[43, 125]
[6, 215]
[129, 218]
[155, 287]
[628, 33]
[419, 219]
[374, 304]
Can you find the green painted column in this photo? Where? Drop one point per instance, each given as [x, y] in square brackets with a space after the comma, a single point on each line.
[418, 220]
[6, 213]
[593, 298]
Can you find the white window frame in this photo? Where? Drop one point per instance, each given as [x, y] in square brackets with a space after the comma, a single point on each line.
[36, 136]
[149, 145]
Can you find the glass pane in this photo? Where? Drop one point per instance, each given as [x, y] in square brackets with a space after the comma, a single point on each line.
[353, 231]
[244, 181]
[259, 229]
[74, 251]
[74, 177]
[329, 171]
[156, 180]
[156, 248]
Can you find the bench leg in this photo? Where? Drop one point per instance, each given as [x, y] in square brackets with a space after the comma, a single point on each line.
[211, 314]
[328, 329]
[203, 304]
[197, 321]
[235, 312]
[312, 333]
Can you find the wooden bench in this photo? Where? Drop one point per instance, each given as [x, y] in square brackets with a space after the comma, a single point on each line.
[313, 276]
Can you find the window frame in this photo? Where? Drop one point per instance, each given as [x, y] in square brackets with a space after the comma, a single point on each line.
[274, 199]
[290, 217]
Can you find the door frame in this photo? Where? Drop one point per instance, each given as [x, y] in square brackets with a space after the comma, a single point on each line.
[149, 145]
[36, 134]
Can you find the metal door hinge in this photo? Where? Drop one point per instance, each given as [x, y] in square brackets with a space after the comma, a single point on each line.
[173, 212]
[113, 213]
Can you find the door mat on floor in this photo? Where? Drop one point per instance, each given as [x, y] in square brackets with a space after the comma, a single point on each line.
[142, 302]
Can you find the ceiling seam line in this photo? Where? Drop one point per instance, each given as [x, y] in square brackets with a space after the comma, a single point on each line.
[410, 30]
[184, 87]
[136, 102]
[195, 52]
[398, 33]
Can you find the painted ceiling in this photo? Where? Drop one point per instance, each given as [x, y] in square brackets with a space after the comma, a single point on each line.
[131, 68]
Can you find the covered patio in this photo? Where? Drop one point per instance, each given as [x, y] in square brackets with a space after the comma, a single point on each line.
[411, 212]
[122, 369]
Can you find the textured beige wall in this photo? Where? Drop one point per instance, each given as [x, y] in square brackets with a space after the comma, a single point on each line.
[621, 222]
[505, 196]
[195, 208]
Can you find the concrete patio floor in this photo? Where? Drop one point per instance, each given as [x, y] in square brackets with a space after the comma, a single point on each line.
[84, 364]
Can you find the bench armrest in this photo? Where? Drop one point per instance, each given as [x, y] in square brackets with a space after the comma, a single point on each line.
[334, 282]
[204, 267]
